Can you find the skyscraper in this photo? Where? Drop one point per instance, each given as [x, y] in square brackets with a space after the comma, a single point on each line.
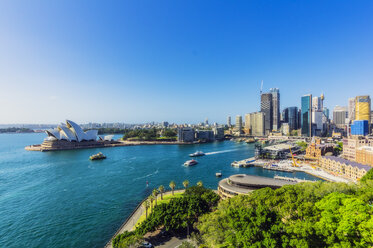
[275, 108]
[316, 103]
[267, 109]
[351, 109]
[285, 115]
[229, 123]
[254, 122]
[362, 108]
[239, 124]
[293, 118]
[326, 112]
[339, 116]
[306, 117]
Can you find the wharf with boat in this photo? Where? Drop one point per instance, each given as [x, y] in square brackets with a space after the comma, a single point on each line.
[243, 163]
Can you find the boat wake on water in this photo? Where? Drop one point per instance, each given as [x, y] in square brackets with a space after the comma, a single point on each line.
[212, 153]
[149, 175]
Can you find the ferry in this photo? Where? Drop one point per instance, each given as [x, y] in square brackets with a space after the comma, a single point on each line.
[197, 154]
[243, 163]
[190, 162]
[97, 156]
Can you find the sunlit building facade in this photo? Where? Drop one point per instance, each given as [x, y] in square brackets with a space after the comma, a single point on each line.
[362, 108]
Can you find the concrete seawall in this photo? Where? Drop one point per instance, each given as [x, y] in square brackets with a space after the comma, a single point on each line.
[39, 147]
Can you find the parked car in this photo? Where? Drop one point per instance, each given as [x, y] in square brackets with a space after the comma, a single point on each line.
[146, 245]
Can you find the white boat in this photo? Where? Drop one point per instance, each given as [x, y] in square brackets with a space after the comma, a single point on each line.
[218, 174]
[242, 163]
[197, 154]
[190, 162]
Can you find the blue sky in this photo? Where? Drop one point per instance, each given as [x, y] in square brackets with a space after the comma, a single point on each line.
[180, 61]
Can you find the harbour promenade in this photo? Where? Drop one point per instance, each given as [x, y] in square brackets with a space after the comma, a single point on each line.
[43, 148]
[130, 222]
[285, 165]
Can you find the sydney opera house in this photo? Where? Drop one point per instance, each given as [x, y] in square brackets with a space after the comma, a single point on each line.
[71, 132]
[71, 136]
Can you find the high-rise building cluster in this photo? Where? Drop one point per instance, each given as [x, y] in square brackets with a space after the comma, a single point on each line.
[311, 119]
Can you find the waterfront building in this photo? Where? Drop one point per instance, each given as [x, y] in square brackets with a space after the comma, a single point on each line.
[360, 128]
[351, 109]
[364, 155]
[275, 108]
[204, 135]
[70, 136]
[362, 108]
[218, 133]
[71, 132]
[306, 117]
[229, 123]
[185, 134]
[279, 151]
[266, 107]
[343, 167]
[238, 124]
[244, 184]
[254, 124]
[316, 149]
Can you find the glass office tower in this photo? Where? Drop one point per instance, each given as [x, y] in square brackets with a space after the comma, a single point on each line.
[306, 117]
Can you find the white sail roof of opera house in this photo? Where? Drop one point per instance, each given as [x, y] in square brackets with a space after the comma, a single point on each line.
[71, 132]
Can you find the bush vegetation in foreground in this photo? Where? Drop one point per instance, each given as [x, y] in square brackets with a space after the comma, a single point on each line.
[319, 214]
[179, 214]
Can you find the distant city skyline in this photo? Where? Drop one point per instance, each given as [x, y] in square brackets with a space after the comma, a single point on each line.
[181, 62]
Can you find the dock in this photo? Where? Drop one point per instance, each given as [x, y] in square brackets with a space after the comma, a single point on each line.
[243, 163]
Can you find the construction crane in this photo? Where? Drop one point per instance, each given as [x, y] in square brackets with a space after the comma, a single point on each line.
[292, 156]
[261, 88]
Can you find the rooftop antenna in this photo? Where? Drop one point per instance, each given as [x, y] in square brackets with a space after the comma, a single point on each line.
[261, 88]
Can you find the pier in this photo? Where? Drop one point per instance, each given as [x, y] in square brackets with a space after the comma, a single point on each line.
[244, 163]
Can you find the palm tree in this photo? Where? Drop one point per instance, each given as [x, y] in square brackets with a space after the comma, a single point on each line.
[200, 184]
[151, 198]
[146, 205]
[155, 193]
[186, 184]
[172, 186]
[161, 190]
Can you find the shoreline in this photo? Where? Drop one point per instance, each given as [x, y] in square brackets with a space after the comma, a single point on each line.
[39, 147]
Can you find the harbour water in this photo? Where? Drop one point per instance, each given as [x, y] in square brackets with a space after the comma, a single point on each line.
[62, 199]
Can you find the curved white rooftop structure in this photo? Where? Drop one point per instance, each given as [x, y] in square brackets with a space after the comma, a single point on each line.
[71, 132]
